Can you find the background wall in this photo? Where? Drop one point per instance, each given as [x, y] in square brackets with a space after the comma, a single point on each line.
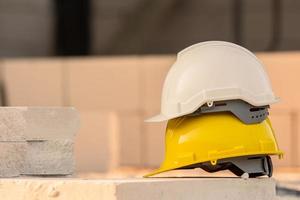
[76, 27]
[115, 94]
[27, 28]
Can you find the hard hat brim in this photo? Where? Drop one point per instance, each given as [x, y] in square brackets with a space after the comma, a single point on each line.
[157, 118]
[155, 172]
[163, 169]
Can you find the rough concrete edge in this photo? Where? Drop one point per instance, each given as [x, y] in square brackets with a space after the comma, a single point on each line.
[132, 183]
[39, 188]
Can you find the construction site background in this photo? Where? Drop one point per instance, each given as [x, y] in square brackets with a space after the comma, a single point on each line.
[108, 59]
[115, 94]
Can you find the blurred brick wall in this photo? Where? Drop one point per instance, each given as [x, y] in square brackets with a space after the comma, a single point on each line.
[115, 94]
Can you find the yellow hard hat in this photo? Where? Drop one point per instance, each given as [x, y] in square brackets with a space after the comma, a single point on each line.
[214, 137]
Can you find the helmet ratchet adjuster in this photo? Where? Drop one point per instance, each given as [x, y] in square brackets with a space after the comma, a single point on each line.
[244, 111]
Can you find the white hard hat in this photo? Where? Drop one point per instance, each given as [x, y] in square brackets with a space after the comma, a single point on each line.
[213, 71]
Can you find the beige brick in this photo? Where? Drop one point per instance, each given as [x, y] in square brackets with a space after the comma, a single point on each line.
[108, 140]
[283, 70]
[154, 143]
[33, 82]
[154, 71]
[104, 83]
[281, 122]
[130, 139]
[296, 136]
[96, 147]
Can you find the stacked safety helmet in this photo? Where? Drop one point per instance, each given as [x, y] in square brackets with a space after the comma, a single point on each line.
[216, 98]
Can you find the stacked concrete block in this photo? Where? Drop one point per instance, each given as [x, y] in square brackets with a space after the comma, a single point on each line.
[37, 140]
[12, 142]
[50, 157]
[12, 158]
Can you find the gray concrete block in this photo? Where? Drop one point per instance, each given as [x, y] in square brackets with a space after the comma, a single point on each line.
[54, 157]
[51, 123]
[198, 188]
[12, 156]
[12, 124]
[38, 123]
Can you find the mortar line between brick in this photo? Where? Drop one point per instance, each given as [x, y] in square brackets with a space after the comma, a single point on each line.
[294, 138]
[143, 136]
[13, 141]
[65, 83]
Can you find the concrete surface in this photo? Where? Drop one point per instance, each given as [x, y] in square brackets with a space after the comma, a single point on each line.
[137, 189]
[51, 123]
[12, 125]
[53, 157]
[11, 158]
[38, 123]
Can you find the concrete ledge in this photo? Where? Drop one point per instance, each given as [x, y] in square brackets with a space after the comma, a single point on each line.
[136, 189]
